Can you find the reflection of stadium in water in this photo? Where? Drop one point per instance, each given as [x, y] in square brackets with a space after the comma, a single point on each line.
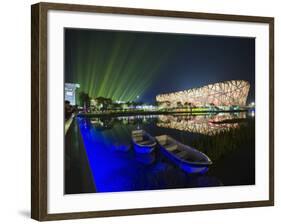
[202, 124]
[207, 124]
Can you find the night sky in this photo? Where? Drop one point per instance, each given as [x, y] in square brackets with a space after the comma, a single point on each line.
[124, 65]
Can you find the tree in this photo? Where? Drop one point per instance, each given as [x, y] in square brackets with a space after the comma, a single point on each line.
[84, 99]
[179, 104]
[166, 104]
[104, 103]
[67, 109]
[190, 105]
[116, 106]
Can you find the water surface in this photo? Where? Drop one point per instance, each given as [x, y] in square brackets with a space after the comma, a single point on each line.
[227, 138]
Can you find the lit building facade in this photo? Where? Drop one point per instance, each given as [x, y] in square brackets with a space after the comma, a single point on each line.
[70, 92]
[228, 93]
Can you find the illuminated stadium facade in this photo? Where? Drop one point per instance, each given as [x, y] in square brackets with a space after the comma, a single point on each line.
[228, 93]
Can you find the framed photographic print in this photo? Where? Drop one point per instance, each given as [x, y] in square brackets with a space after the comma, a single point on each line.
[139, 111]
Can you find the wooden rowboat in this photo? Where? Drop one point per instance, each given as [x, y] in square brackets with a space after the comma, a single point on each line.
[186, 157]
[143, 142]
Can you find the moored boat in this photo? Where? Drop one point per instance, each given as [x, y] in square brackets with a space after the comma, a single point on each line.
[143, 141]
[187, 158]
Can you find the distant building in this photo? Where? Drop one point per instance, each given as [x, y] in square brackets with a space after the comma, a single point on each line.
[228, 93]
[70, 92]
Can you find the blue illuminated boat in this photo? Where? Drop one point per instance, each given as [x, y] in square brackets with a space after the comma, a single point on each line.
[187, 158]
[143, 142]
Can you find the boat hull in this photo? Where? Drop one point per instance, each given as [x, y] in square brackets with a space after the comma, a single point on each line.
[184, 165]
[143, 142]
[143, 149]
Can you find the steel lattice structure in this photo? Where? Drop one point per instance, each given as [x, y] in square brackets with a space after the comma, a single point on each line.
[228, 93]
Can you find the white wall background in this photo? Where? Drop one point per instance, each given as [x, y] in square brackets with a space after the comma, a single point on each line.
[15, 111]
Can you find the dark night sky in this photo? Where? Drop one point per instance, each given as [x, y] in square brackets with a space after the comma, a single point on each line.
[124, 65]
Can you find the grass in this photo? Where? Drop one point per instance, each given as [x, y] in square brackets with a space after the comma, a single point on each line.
[219, 145]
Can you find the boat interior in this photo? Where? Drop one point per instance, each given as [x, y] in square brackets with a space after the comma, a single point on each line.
[178, 150]
[141, 138]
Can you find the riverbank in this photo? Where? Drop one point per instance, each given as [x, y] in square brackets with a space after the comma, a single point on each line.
[77, 174]
[135, 113]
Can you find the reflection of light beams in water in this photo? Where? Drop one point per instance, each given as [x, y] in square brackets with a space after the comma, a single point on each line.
[118, 136]
[106, 170]
[113, 171]
[146, 159]
[251, 113]
[201, 124]
[116, 168]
